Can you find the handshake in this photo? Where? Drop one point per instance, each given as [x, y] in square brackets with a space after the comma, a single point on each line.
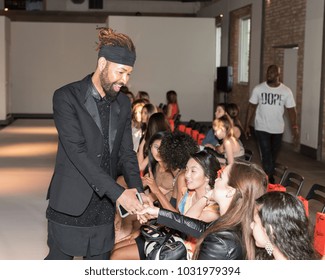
[132, 202]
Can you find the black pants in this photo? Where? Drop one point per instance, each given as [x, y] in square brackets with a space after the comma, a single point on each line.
[269, 145]
[55, 252]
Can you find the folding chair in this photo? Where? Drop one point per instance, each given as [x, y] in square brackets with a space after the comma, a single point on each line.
[317, 192]
[280, 171]
[294, 181]
[248, 155]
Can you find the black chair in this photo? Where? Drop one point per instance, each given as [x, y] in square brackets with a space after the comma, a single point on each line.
[294, 181]
[248, 155]
[280, 171]
[177, 120]
[317, 192]
[191, 123]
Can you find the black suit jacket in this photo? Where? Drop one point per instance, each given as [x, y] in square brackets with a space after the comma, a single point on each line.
[77, 172]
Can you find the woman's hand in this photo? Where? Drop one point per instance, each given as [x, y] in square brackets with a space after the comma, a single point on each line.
[147, 213]
[149, 181]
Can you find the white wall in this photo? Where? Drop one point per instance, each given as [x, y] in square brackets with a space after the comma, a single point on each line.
[4, 67]
[312, 73]
[173, 54]
[46, 56]
[127, 6]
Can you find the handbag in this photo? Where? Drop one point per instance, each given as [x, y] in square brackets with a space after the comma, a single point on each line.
[163, 243]
[319, 233]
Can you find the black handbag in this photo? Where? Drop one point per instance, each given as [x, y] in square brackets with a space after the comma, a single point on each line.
[163, 243]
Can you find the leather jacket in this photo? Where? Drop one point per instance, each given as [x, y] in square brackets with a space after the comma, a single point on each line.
[221, 245]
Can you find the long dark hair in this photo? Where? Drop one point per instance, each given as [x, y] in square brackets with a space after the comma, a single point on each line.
[250, 182]
[209, 164]
[284, 218]
[152, 164]
[157, 122]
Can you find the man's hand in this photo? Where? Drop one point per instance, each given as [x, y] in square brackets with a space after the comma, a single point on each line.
[129, 201]
[146, 200]
[247, 132]
[295, 134]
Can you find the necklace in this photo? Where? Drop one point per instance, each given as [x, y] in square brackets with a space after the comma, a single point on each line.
[175, 177]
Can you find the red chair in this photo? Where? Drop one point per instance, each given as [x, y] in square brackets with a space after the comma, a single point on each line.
[181, 127]
[188, 130]
[195, 134]
[200, 138]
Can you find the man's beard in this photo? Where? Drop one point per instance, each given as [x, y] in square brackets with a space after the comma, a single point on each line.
[106, 85]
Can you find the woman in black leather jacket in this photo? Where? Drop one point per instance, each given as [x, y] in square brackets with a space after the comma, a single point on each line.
[229, 237]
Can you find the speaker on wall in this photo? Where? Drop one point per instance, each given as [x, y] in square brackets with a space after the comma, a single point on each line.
[95, 4]
[224, 78]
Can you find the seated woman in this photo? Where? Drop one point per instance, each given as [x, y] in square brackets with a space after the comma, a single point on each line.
[157, 122]
[281, 227]
[229, 237]
[147, 111]
[232, 110]
[231, 147]
[136, 122]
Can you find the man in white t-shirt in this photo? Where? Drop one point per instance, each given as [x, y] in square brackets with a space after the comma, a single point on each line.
[268, 101]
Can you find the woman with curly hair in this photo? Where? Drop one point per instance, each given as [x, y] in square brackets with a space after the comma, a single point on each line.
[281, 227]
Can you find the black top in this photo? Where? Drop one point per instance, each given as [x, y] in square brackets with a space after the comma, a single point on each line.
[99, 210]
[221, 245]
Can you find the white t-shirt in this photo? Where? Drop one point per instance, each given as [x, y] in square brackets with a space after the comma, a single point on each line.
[271, 103]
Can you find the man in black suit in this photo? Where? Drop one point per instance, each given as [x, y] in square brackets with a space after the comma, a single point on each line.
[93, 121]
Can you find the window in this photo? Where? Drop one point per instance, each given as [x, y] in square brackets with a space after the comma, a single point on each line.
[244, 43]
[218, 46]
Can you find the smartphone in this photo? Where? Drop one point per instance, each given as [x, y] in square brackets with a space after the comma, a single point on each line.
[122, 211]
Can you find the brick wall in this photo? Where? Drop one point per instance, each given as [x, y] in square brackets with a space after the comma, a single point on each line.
[240, 92]
[284, 25]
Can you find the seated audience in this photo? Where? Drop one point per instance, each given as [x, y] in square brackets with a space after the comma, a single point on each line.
[147, 111]
[231, 147]
[175, 150]
[281, 228]
[130, 95]
[143, 95]
[230, 236]
[210, 139]
[136, 122]
[232, 110]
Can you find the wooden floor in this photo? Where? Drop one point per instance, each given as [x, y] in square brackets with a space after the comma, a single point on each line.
[27, 155]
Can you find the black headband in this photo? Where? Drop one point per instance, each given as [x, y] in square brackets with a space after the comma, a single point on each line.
[117, 54]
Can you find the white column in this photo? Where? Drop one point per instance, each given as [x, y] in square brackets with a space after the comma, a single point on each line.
[4, 68]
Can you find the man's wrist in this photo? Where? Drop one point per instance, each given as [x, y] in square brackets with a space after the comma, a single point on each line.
[295, 126]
